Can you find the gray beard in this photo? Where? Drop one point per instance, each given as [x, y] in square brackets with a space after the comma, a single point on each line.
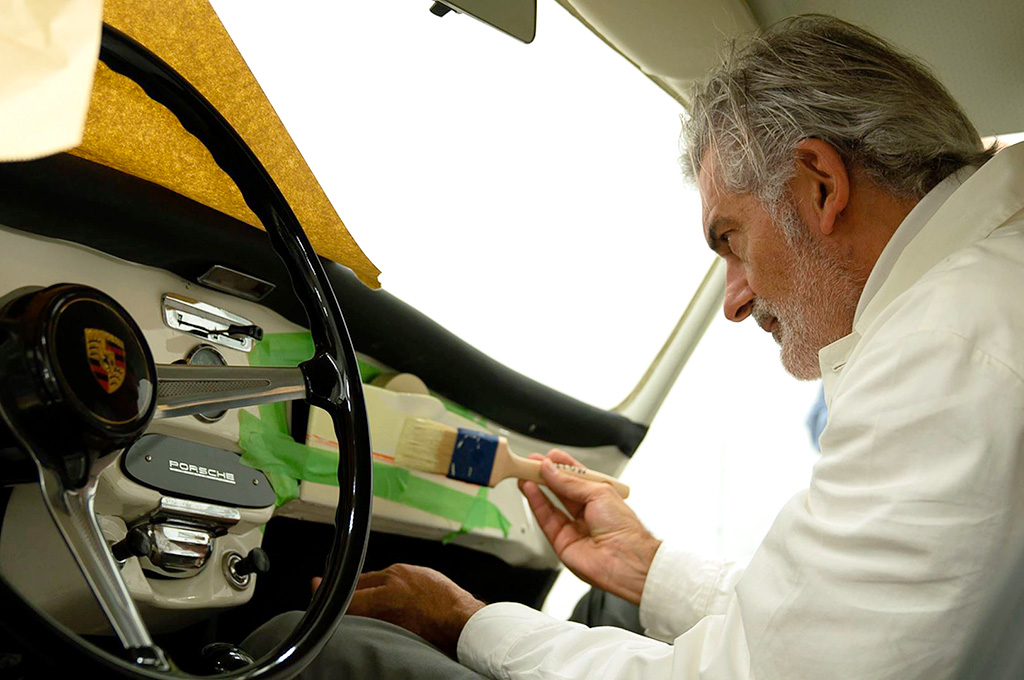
[820, 311]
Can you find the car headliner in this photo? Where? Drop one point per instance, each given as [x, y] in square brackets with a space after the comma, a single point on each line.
[974, 47]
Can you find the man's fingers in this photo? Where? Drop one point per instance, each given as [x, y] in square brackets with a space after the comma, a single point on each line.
[543, 509]
[573, 503]
[560, 456]
[371, 579]
[572, 507]
[368, 579]
[366, 602]
[568, 488]
[553, 523]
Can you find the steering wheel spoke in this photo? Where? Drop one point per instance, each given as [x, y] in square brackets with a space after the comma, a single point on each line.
[73, 511]
[184, 390]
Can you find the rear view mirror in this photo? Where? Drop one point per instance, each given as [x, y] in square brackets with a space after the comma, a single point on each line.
[518, 18]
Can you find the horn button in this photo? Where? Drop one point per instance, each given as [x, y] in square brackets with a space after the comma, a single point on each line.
[78, 379]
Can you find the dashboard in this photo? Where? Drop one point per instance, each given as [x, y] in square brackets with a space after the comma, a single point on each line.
[193, 519]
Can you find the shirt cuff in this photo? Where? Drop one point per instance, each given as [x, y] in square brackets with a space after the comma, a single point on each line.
[492, 631]
[677, 592]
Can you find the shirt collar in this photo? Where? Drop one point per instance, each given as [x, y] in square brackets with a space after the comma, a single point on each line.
[910, 227]
[959, 210]
[976, 202]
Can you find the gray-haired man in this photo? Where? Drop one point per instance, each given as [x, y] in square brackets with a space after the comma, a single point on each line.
[864, 227]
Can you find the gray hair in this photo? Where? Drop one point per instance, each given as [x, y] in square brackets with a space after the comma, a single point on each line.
[818, 77]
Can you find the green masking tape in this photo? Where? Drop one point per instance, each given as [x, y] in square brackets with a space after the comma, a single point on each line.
[266, 445]
[291, 349]
[475, 512]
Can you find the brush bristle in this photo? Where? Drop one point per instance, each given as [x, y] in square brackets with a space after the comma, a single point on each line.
[425, 445]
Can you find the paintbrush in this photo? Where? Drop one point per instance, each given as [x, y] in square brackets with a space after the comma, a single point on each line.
[475, 457]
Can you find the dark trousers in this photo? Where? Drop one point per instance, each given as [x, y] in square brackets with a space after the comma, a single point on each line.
[367, 648]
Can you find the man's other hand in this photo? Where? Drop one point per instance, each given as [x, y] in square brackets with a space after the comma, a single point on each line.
[601, 540]
[418, 599]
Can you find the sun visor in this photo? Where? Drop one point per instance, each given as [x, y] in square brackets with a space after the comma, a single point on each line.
[129, 132]
[674, 43]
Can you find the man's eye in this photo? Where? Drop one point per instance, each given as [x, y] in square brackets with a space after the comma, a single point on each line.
[731, 249]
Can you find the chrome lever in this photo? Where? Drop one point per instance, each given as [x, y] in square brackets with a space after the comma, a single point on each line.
[184, 390]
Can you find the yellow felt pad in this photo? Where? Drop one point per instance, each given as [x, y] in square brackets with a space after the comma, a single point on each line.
[129, 132]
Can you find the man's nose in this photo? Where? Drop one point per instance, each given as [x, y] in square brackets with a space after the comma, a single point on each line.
[739, 298]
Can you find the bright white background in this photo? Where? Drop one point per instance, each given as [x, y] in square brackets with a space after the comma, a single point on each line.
[529, 198]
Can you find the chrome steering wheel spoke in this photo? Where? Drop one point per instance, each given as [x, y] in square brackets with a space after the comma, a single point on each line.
[184, 389]
[73, 511]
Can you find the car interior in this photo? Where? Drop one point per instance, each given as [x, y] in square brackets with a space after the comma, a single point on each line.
[203, 386]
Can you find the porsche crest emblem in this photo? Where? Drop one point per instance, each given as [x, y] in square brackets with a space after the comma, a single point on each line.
[106, 358]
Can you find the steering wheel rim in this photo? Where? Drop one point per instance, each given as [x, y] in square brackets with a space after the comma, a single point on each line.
[331, 377]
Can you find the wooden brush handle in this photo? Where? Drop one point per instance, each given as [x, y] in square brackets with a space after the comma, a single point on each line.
[594, 476]
[526, 468]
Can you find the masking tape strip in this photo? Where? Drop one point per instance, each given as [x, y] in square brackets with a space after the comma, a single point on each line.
[266, 445]
[402, 486]
[291, 349]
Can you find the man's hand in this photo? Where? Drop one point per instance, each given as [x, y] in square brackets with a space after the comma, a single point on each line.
[418, 599]
[602, 541]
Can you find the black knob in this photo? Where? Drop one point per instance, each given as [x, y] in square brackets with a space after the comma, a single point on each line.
[222, 657]
[135, 544]
[439, 9]
[256, 562]
[253, 331]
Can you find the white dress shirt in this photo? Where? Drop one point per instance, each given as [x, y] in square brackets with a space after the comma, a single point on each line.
[884, 567]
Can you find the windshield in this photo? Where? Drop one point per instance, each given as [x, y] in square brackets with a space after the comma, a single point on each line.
[526, 197]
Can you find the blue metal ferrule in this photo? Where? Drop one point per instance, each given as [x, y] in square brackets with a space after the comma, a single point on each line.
[473, 457]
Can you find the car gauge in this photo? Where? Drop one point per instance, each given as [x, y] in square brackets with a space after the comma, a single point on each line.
[207, 355]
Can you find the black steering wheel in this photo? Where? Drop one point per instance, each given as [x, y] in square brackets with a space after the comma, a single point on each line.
[63, 348]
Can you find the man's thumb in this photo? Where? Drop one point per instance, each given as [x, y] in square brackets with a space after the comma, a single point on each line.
[566, 486]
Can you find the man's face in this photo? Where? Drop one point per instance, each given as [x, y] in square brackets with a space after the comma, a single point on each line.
[803, 292]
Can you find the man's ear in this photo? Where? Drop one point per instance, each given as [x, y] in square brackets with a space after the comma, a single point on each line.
[821, 185]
